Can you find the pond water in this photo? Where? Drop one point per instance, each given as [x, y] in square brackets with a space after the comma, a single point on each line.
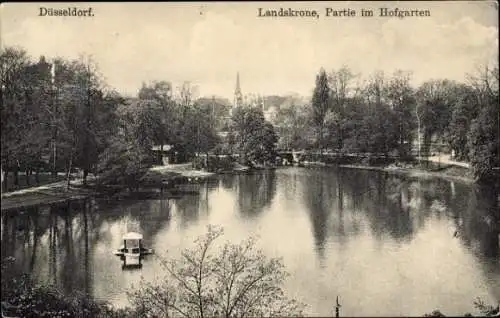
[385, 244]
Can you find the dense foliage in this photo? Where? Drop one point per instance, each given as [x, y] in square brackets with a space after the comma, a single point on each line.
[59, 116]
[22, 297]
[385, 115]
[253, 138]
[485, 310]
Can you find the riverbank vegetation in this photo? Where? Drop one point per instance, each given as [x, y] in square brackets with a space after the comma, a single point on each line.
[59, 116]
[387, 116]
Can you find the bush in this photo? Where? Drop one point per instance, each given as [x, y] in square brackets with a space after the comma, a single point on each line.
[124, 163]
[234, 281]
[22, 297]
[485, 310]
[215, 163]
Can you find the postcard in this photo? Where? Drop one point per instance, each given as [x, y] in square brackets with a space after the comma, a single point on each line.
[243, 159]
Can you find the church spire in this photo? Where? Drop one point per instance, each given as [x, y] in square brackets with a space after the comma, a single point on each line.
[238, 98]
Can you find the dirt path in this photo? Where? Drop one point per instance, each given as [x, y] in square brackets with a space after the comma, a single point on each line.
[446, 159]
[184, 169]
[62, 185]
[59, 191]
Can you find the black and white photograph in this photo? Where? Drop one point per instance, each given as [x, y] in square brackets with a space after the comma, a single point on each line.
[250, 159]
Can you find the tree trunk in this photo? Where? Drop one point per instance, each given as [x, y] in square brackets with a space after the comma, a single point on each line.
[27, 174]
[37, 177]
[161, 154]
[85, 174]
[69, 171]
[339, 136]
[5, 178]
[16, 176]
[54, 151]
[321, 140]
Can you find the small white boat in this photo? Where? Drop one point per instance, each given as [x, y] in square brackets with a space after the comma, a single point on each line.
[132, 251]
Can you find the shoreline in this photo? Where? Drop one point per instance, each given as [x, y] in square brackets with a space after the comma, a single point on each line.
[434, 168]
[167, 178]
[164, 178]
[414, 172]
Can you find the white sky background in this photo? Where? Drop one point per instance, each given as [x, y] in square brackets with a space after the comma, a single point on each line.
[207, 43]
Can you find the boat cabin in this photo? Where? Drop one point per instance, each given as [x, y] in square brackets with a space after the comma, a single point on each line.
[132, 243]
[132, 250]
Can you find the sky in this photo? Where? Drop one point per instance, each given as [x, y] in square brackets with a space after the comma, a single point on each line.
[208, 43]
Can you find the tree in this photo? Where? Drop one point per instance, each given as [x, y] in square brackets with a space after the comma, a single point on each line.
[207, 137]
[286, 124]
[199, 130]
[138, 121]
[51, 112]
[383, 134]
[16, 119]
[128, 156]
[380, 119]
[165, 119]
[369, 123]
[80, 99]
[464, 112]
[320, 105]
[374, 91]
[184, 100]
[262, 147]
[354, 127]
[218, 108]
[124, 162]
[436, 99]
[484, 141]
[236, 280]
[187, 94]
[293, 124]
[401, 99]
[340, 83]
[255, 139]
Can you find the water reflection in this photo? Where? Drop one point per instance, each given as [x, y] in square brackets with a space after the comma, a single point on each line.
[255, 192]
[319, 196]
[188, 210]
[481, 230]
[400, 245]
